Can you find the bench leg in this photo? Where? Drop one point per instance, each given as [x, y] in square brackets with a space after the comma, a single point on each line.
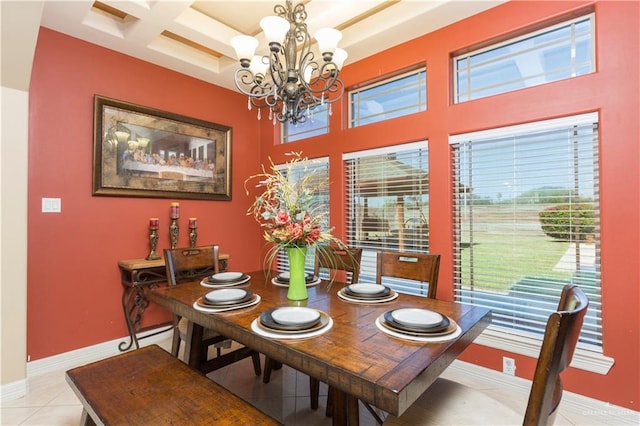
[86, 419]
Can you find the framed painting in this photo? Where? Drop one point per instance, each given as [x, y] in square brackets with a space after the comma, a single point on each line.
[144, 152]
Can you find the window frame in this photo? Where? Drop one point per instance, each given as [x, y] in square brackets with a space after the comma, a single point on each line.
[422, 105]
[587, 357]
[528, 35]
[317, 131]
[417, 150]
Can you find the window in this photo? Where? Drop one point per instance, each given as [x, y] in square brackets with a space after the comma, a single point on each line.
[317, 123]
[388, 205]
[403, 95]
[527, 222]
[556, 53]
[319, 168]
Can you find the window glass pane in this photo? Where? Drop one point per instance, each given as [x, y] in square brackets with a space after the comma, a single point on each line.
[317, 123]
[527, 223]
[561, 52]
[388, 206]
[399, 96]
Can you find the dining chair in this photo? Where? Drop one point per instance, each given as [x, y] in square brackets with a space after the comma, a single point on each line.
[334, 259]
[329, 260]
[411, 266]
[189, 264]
[405, 265]
[448, 402]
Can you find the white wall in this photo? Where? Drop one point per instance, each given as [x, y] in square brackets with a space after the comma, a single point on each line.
[20, 26]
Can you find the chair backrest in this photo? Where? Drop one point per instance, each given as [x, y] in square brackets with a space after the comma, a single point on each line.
[560, 340]
[339, 259]
[188, 264]
[411, 266]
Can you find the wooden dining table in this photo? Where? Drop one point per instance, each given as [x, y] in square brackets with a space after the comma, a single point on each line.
[354, 357]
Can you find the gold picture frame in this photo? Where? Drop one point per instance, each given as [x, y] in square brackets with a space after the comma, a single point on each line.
[144, 152]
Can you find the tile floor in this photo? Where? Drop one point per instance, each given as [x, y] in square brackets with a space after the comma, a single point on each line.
[50, 401]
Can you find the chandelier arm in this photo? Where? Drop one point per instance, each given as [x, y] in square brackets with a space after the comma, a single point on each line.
[250, 85]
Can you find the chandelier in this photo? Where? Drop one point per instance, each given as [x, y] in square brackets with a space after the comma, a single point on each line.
[289, 81]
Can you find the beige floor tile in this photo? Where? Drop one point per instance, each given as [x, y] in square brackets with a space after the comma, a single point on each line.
[60, 415]
[15, 415]
[41, 390]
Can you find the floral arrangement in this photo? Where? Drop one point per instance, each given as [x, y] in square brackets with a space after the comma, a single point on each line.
[286, 209]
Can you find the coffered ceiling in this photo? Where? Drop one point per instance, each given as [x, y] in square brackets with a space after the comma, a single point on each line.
[192, 37]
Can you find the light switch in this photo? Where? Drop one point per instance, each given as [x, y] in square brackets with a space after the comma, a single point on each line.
[51, 205]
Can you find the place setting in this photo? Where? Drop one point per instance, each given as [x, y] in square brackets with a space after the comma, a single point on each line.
[367, 293]
[225, 279]
[282, 279]
[226, 299]
[421, 325]
[292, 322]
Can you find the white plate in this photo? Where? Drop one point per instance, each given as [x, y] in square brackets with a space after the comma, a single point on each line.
[220, 284]
[295, 315]
[225, 295]
[227, 276]
[273, 335]
[427, 339]
[366, 288]
[415, 317]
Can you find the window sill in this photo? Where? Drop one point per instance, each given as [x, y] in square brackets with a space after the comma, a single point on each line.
[583, 359]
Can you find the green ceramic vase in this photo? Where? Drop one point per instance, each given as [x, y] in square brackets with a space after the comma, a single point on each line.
[297, 281]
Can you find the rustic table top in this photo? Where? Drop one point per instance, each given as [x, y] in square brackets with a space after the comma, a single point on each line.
[353, 356]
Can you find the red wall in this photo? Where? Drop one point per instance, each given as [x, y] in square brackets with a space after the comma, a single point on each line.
[74, 286]
[612, 91]
[71, 308]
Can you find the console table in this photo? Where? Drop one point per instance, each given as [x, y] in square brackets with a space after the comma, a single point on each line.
[138, 276]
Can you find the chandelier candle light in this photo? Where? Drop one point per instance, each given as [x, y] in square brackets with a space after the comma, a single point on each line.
[289, 81]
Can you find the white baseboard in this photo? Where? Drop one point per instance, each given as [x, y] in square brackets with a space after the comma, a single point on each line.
[88, 354]
[13, 390]
[71, 359]
[601, 412]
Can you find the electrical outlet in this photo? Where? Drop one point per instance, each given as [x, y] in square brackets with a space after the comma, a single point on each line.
[509, 366]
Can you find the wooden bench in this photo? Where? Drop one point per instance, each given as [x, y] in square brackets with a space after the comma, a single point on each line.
[148, 386]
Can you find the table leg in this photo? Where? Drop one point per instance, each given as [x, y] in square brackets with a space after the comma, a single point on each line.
[345, 409]
[129, 295]
[193, 345]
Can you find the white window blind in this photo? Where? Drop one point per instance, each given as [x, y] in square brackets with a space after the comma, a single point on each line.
[388, 205]
[555, 53]
[319, 168]
[527, 222]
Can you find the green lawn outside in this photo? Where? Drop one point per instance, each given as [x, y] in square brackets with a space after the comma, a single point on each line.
[503, 259]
